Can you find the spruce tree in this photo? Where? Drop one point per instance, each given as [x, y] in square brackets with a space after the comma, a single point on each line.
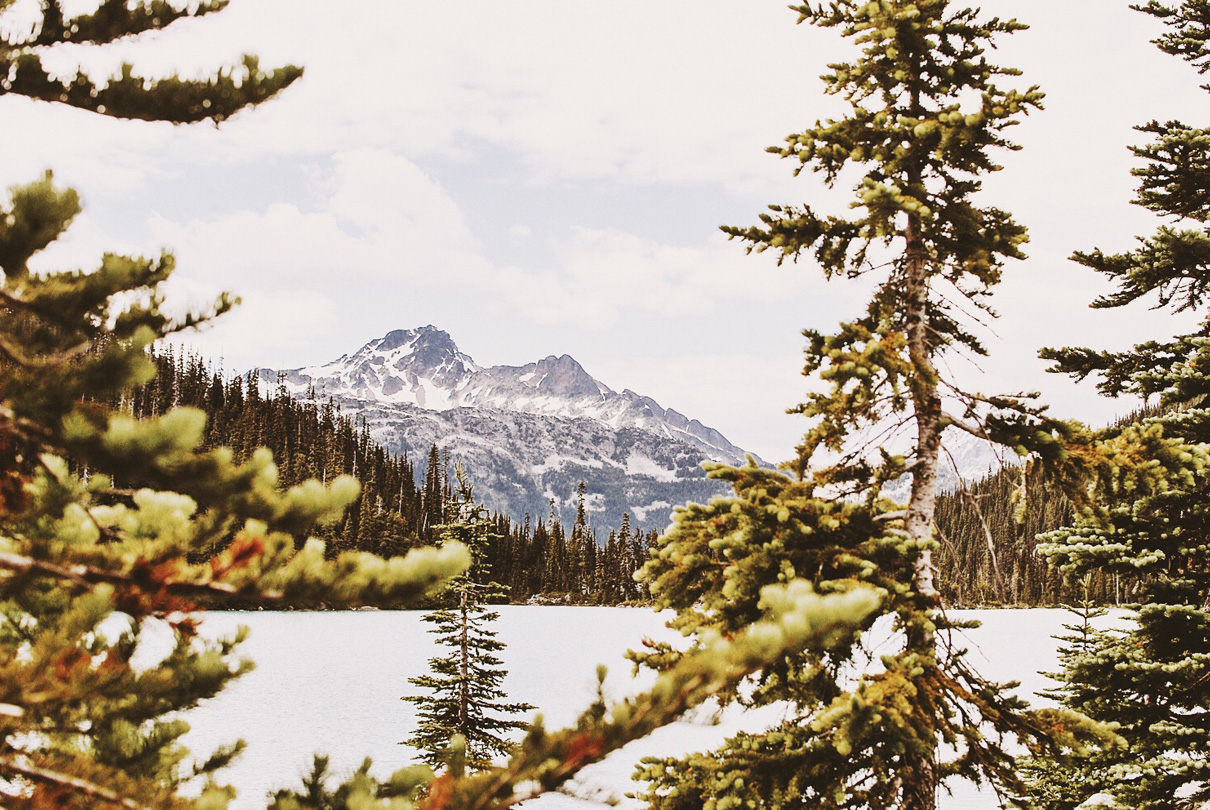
[1154, 677]
[463, 712]
[925, 112]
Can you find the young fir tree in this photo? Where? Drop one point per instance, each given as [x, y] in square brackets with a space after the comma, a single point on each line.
[925, 113]
[463, 711]
[1154, 678]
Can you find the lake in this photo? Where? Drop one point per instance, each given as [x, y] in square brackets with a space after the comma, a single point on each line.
[331, 683]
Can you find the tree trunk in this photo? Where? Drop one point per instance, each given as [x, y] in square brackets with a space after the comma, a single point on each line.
[464, 697]
[920, 769]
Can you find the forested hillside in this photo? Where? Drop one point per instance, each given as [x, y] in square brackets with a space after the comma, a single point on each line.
[989, 535]
[401, 500]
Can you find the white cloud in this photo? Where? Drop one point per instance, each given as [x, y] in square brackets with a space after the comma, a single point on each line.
[605, 273]
[628, 90]
[265, 322]
[384, 222]
[520, 232]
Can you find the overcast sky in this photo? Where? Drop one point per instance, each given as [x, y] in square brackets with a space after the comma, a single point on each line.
[548, 176]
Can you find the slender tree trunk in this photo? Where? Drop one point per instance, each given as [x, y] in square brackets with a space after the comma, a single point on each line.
[926, 402]
[920, 769]
[993, 557]
[464, 697]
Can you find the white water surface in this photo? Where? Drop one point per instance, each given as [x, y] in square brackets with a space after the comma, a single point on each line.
[330, 682]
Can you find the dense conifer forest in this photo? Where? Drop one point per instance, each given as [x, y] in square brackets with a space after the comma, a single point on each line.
[991, 533]
[401, 502]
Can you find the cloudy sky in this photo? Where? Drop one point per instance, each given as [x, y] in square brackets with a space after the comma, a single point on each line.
[548, 176]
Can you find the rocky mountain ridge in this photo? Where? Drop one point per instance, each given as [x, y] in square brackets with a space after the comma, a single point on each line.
[529, 434]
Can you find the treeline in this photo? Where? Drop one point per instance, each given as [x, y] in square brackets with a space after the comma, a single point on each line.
[988, 536]
[988, 533]
[535, 558]
[545, 563]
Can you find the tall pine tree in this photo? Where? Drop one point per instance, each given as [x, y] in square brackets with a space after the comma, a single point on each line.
[463, 712]
[1154, 677]
[926, 111]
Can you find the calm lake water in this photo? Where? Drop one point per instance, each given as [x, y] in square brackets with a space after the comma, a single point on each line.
[331, 683]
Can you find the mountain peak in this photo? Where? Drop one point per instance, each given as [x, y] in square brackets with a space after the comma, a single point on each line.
[530, 433]
[423, 367]
[428, 338]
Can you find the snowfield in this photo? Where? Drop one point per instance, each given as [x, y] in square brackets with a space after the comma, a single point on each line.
[331, 683]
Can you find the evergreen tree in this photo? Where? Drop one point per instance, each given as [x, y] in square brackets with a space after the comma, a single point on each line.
[1060, 783]
[463, 698]
[151, 525]
[1154, 677]
[433, 495]
[925, 112]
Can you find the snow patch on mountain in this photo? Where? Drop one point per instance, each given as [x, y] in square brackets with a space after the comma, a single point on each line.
[652, 511]
[964, 460]
[424, 368]
[639, 464]
[528, 434]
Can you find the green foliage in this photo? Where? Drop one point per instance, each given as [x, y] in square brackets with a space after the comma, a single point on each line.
[23, 69]
[1153, 677]
[926, 111]
[186, 524]
[463, 697]
[308, 440]
[400, 792]
[849, 728]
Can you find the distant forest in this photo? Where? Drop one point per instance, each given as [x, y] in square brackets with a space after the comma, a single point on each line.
[537, 558]
[989, 533]
[987, 530]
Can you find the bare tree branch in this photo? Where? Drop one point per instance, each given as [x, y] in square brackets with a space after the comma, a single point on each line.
[885, 516]
[87, 576]
[974, 430]
[9, 765]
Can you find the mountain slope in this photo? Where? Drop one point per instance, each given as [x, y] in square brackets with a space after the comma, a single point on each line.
[528, 433]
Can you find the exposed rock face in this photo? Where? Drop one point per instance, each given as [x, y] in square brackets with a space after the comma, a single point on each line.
[528, 433]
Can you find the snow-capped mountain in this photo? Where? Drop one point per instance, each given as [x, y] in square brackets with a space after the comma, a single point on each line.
[527, 433]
